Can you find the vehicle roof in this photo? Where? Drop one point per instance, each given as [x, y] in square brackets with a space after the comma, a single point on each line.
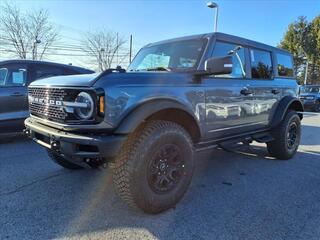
[227, 38]
[71, 67]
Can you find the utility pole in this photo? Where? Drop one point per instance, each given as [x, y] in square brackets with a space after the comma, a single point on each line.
[130, 51]
[306, 73]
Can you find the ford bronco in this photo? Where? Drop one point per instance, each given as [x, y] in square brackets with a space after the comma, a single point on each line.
[177, 97]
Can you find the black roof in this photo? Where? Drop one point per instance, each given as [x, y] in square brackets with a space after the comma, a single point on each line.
[71, 67]
[225, 37]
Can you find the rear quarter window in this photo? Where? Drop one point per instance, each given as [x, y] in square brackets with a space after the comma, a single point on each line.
[284, 65]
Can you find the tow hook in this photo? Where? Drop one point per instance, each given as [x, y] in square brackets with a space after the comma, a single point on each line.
[55, 145]
[27, 132]
[96, 162]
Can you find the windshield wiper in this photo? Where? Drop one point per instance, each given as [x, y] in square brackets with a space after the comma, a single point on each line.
[157, 69]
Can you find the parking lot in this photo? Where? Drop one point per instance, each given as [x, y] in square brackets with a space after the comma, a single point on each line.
[244, 195]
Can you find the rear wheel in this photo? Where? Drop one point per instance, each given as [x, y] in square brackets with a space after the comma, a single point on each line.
[286, 137]
[155, 166]
[62, 161]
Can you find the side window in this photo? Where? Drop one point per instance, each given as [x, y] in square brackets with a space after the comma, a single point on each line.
[45, 71]
[222, 49]
[3, 75]
[285, 65]
[13, 76]
[261, 64]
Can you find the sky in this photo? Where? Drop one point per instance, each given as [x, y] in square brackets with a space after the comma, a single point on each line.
[155, 20]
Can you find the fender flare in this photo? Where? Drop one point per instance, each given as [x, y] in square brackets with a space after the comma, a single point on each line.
[288, 102]
[146, 109]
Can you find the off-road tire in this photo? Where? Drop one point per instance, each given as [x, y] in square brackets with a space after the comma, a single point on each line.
[279, 148]
[132, 168]
[62, 161]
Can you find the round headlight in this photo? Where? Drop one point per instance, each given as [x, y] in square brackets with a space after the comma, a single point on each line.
[86, 106]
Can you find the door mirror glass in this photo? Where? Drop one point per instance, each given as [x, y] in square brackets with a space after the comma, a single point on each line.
[219, 65]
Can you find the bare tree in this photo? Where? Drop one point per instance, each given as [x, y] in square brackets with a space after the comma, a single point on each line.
[30, 33]
[104, 47]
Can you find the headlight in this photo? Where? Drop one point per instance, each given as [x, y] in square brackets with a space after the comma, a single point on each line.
[85, 107]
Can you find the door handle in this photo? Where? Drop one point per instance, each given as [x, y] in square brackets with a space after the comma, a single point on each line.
[246, 91]
[275, 91]
[16, 94]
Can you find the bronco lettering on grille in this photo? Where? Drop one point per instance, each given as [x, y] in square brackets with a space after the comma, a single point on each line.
[45, 101]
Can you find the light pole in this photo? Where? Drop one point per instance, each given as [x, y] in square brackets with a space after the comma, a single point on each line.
[35, 46]
[214, 5]
[306, 73]
[100, 58]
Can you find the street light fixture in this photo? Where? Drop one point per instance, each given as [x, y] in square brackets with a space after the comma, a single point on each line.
[214, 5]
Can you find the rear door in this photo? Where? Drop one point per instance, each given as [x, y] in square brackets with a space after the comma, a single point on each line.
[13, 97]
[266, 91]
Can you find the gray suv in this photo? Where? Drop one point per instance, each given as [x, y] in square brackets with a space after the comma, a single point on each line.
[15, 76]
[177, 97]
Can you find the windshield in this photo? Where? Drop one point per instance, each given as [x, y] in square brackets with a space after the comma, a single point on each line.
[310, 89]
[174, 56]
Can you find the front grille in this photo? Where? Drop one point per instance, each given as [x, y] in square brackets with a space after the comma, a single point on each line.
[42, 107]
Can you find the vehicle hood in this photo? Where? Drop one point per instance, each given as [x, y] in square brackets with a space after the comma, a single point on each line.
[84, 80]
[115, 78]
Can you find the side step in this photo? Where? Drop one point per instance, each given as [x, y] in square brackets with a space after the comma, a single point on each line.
[235, 144]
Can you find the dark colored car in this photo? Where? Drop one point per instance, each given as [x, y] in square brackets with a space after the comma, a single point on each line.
[310, 97]
[177, 97]
[15, 76]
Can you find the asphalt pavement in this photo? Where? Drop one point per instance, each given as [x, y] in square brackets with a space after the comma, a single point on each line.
[244, 195]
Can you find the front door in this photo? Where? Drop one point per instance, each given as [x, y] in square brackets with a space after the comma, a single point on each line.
[229, 97]
[13, 97]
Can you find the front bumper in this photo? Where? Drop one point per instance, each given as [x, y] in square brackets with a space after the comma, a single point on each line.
[308, 104]
[78, 148]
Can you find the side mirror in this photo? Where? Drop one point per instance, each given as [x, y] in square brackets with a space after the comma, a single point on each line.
[219, 65]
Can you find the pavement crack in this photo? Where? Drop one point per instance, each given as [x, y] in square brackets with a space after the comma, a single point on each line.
[20, 188]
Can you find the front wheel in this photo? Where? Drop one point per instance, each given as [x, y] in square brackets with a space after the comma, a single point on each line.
[286, 137]
[155, 166]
